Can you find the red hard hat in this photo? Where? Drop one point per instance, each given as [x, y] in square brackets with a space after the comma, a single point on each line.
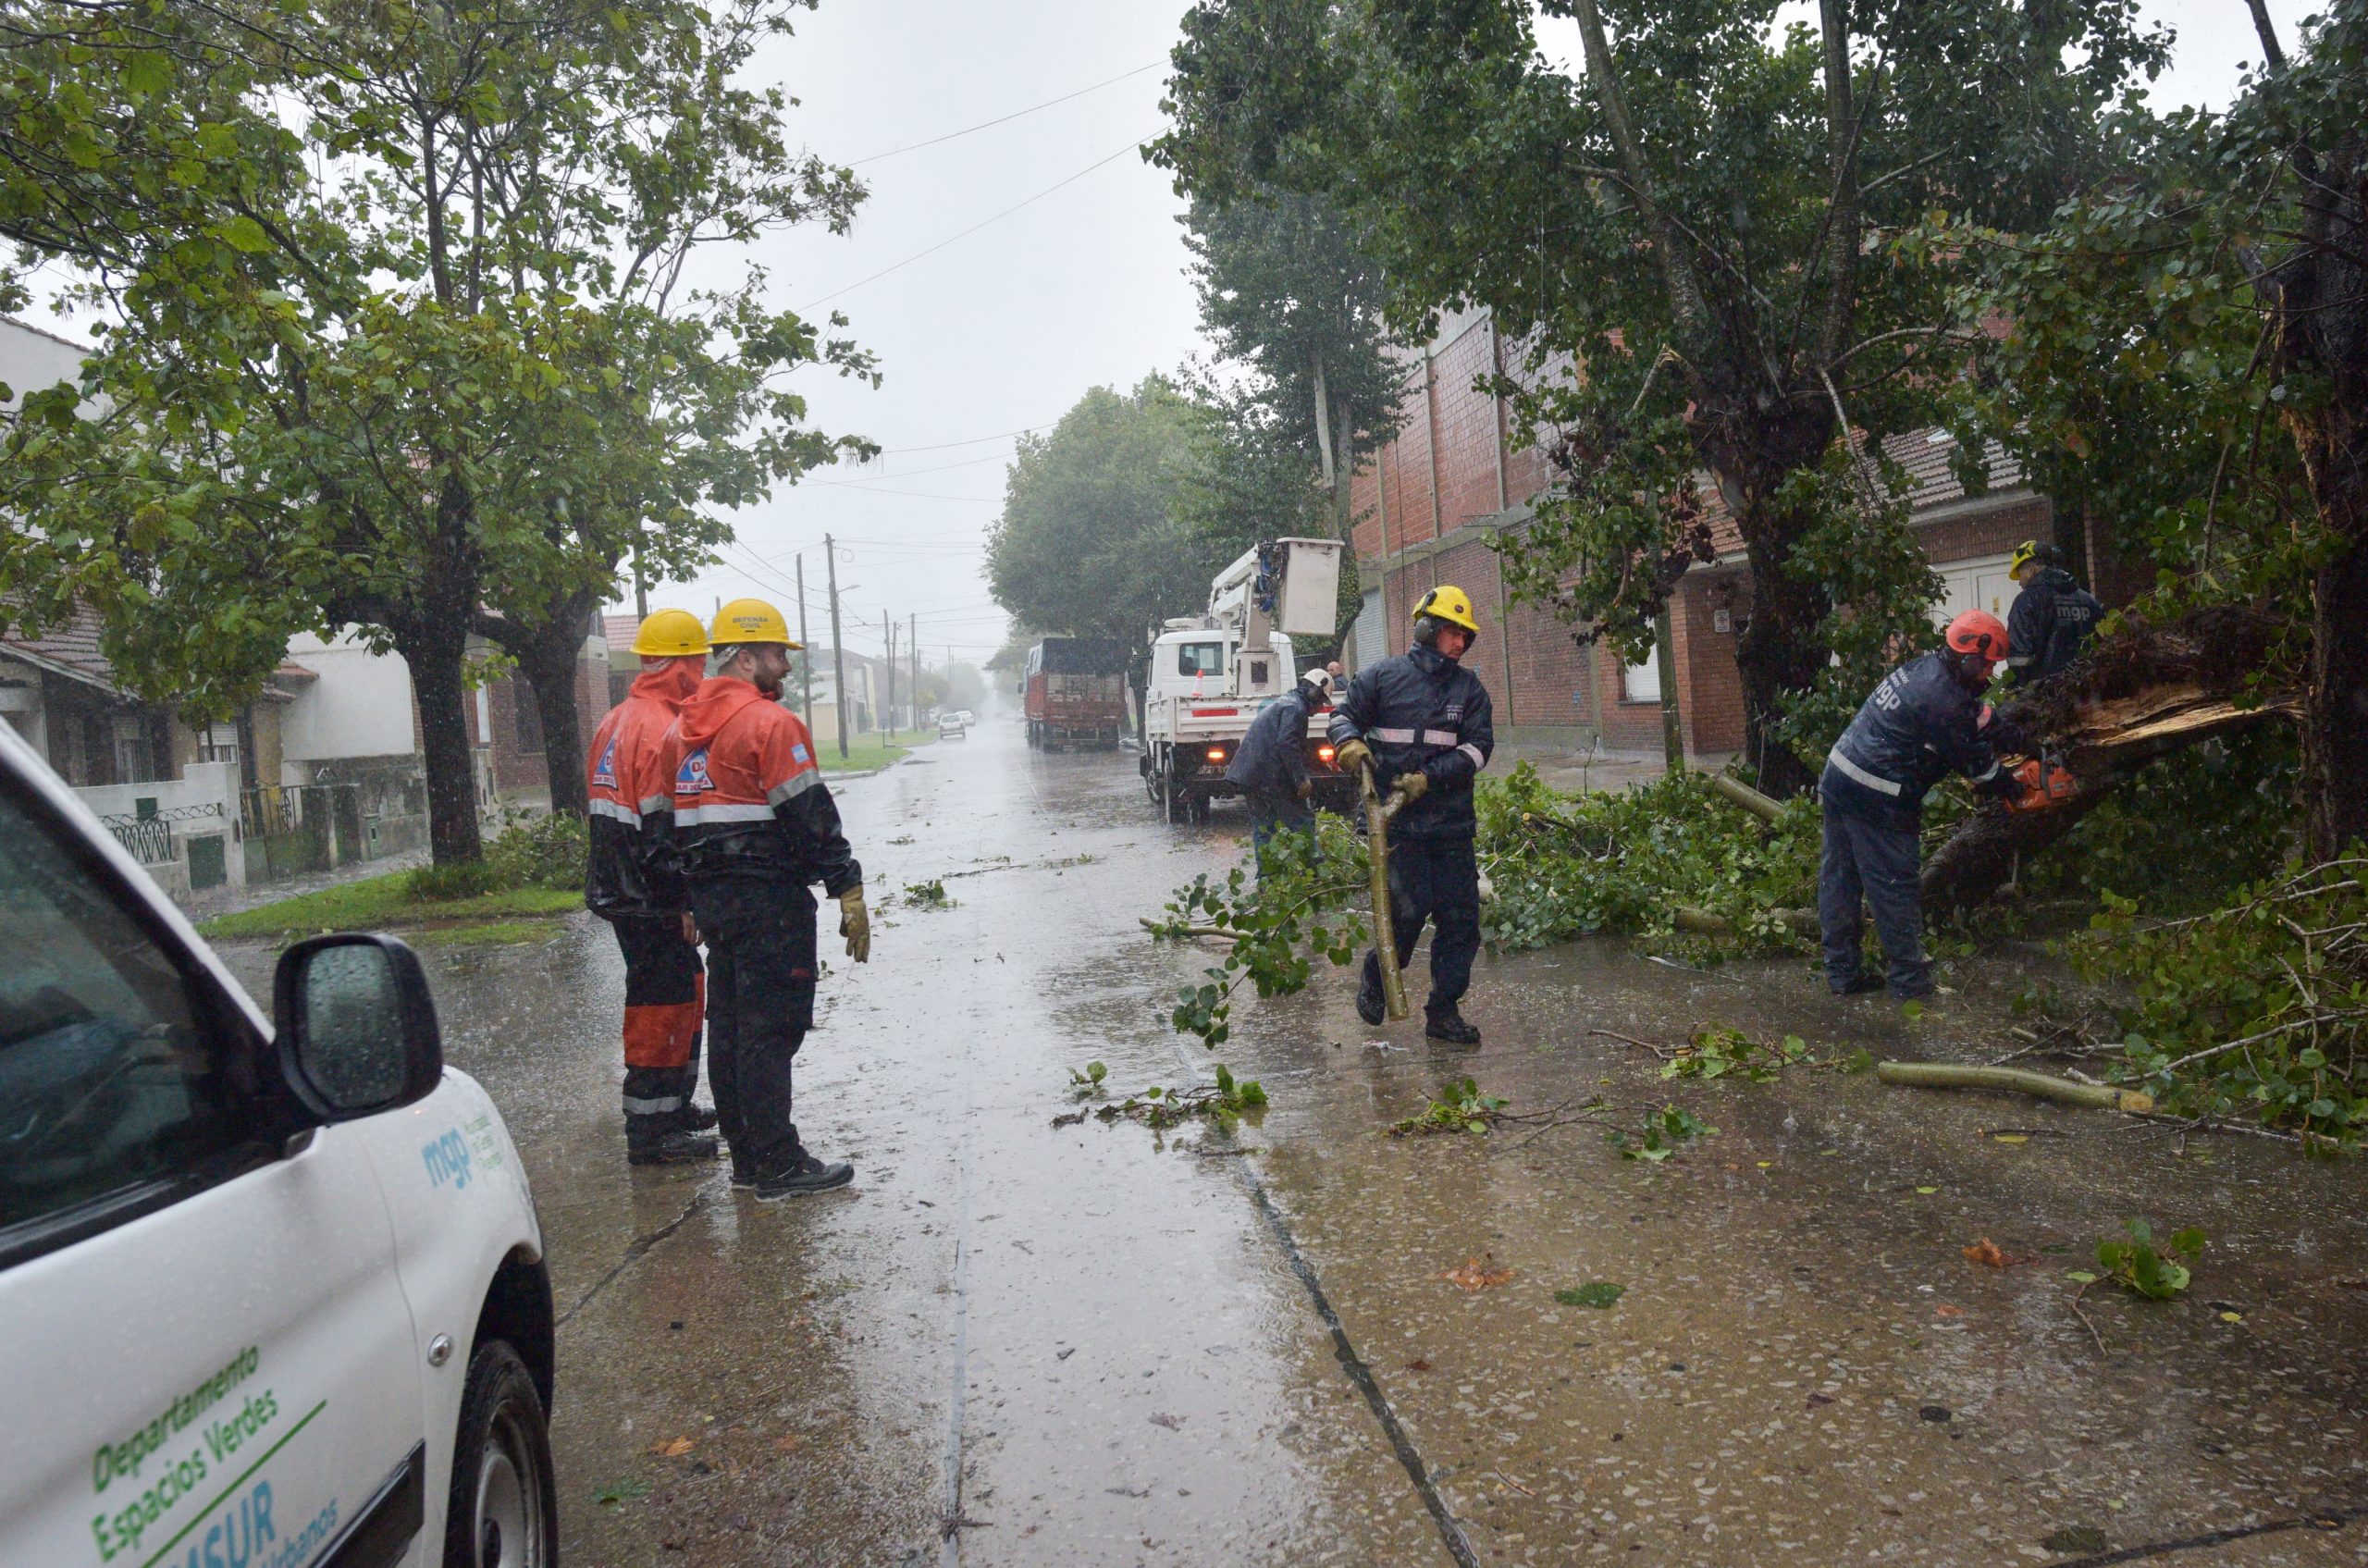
[1980, 634]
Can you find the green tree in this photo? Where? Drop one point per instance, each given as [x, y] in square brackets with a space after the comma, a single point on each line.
[1088, 544]
[2166, 328]
[1697, 223]
[434, 362]
[1287, 290]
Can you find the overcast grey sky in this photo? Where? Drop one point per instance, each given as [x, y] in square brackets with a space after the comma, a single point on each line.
[1005, 327]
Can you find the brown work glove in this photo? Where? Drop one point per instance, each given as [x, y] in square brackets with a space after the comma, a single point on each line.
[690, 928]
[1304, 788]
[854, 925]
[1412, 785]
[1353, 756]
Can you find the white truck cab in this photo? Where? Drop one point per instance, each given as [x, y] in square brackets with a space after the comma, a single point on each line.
[273, 1291]
[1209, 675]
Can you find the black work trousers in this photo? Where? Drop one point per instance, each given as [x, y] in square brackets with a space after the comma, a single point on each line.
[1439, 881]
[664, 995]
[759, 1005]
[1877, 863]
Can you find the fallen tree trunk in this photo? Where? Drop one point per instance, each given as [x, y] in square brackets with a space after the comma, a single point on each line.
[2145, 694]
[1742, 794]
[1949, 1075]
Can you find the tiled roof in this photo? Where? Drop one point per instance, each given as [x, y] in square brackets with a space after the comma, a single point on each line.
[71, 646]
[1932, 481]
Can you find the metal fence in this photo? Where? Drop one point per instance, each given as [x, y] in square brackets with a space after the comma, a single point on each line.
[151, 838]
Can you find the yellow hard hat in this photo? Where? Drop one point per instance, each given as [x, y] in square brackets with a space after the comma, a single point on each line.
[751, 620]
[2025, 553]
[1449, 604]
[669, 634]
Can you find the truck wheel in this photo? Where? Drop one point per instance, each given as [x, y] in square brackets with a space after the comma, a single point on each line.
[1200, 807]
[503, 1512]
[1171, 799]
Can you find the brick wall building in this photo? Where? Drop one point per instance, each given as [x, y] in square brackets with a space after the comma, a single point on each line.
[1431, 503]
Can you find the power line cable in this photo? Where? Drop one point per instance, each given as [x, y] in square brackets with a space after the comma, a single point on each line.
[1005, 120]
[982, 223]
[973, 441]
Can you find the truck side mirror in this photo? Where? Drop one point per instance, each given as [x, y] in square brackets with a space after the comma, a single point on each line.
[356, 1025]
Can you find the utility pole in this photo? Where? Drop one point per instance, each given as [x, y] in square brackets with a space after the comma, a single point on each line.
[838, 650]
[913, 641]
[888, 625]
[804, 652]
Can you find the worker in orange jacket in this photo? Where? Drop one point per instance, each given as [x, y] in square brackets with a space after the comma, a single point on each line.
[634, 884]
[756, 826]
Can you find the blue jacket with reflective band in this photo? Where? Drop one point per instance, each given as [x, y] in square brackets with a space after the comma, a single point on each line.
[1273, 756]
[1919, 724]
[2048, 622]
[1422, 712]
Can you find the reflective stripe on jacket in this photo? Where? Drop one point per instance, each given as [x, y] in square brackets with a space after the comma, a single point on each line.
[631, 873]
[1422, 712]
[2049, 623]
[749, 802]
[1919, 724]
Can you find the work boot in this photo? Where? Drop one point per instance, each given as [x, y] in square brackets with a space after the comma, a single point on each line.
[1450, 1027]
[670, 1148]
[698, 1119]
[1372, 1005]
[1859, 984]
[806, 1174]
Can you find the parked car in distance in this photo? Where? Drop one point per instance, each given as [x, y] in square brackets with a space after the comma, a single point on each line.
[275, 1288]
[951, 727]
[966, 717]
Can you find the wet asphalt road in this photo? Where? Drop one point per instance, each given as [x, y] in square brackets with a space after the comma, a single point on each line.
[1014, 1344]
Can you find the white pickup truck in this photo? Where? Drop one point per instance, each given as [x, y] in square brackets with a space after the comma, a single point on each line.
[1209, 675]
[274, 1289]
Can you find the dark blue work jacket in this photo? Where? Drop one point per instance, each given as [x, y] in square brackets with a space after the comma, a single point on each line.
[1422, 712]
[2049, 622]
[1272, 759]
[1919, 724]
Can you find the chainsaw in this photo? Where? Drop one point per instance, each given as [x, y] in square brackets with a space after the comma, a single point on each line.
[2045, 785]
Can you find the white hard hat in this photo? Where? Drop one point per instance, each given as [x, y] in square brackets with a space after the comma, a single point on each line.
[1319, 677]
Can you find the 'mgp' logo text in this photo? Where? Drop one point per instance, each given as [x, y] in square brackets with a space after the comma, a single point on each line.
[446, 1160]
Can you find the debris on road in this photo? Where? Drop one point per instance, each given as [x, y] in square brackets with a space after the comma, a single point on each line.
[2063, 1090]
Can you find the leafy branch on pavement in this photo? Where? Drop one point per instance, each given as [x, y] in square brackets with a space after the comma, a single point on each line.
[1087, 1086]
[1462, 1107]
[1664, 1132]
[2142, 1268]
[1719, 1053]
[1299, 906]
[1223, 1102]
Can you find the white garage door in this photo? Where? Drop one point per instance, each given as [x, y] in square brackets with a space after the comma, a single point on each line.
[1979, 583]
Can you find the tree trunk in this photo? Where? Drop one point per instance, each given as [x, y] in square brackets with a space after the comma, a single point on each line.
[1782, 650]
[552, 678]
[436, 656]
[2322, 332]
[2145, 694]
[2335, 732]
[549, 654]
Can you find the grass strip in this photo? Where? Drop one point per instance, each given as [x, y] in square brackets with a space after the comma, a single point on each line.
[385, 903]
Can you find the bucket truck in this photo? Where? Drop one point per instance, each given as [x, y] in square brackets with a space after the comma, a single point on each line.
[1210, 675]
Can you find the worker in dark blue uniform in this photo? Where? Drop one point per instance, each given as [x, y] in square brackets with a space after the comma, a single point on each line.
[1423, 723]
[1270, 766]
[2052, 618]
[1924, 720]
